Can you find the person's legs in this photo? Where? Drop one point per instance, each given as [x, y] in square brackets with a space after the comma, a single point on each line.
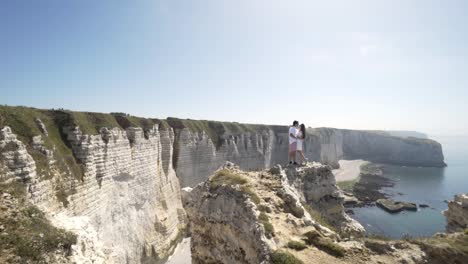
[292, 152]
[301, 155]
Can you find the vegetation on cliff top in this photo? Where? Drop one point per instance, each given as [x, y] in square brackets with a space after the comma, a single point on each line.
[296, 245]
[323, 243]
[451, 248]
[283, 257]
[26, 235]
[229, 177]
[226, 177]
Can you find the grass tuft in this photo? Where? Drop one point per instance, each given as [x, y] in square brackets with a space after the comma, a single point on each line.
[323, 243]
[30, 235]
[296, 245]
[283, 257]
[264, 208]
[253, 196]
[347, 185]
[226, 177]
[452, 248]
[265, 221]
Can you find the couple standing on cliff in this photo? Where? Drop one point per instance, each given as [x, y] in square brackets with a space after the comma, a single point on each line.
[297, 135]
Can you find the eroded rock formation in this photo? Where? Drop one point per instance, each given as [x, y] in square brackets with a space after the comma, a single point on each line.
[316, 186]
[259, 217]
[457, 213]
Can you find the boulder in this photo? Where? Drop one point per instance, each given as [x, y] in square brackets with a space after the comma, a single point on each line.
[396, 206]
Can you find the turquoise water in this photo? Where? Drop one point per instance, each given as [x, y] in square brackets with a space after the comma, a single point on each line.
[429, 186]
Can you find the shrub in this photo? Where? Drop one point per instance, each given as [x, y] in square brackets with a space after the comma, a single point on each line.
[323, 243]
[264, 208]
[227, 177]
[378, 237]
[265, 221]
[31, 236]
[282, 257]
[296, 245]
[253, 196]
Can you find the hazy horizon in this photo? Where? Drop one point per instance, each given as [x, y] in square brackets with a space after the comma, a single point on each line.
[386, 65]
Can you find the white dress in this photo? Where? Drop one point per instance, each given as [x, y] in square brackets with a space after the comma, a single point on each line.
[299, 140]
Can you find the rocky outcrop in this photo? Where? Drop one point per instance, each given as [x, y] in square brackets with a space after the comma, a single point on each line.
[392, 206]
[198, 157]
[316, 185]
[457, 213]
[15, 157]
[259, 217]
[224, 227]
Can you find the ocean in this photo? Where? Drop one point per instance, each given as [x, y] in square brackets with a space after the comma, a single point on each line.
[431, 186]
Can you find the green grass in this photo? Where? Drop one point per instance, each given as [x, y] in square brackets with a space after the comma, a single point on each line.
[296, 245]
[253, 196]
[283, 257]
[466, 231]
[378, 237]
[323, 243]
[31, 236]
[264, 208]
[126, 121]
[318, 217]
[10, 146]
[227, 177]
[347, 185]
[15, 188]
[293, 209]
[214, 129]
[450, 249]
[265, 221]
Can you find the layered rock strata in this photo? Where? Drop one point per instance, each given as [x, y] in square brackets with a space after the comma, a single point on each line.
[198, 157]
[127, 206]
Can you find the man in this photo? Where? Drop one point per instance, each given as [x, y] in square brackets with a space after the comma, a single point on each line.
[293, 142]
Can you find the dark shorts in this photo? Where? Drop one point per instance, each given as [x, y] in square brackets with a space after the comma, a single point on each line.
[293, 147]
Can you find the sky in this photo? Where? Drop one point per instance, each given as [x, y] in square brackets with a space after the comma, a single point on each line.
[396, 65]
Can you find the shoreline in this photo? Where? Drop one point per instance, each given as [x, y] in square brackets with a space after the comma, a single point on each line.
[349, 170]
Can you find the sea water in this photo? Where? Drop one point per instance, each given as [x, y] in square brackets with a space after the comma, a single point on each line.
[431, 186]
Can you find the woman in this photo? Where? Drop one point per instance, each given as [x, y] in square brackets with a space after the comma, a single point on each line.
[300, 141]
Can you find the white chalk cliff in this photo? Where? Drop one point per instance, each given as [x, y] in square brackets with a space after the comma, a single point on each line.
[119, 189]
[198, 157]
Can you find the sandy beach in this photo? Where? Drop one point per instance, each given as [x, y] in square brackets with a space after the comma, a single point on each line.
[349, 170]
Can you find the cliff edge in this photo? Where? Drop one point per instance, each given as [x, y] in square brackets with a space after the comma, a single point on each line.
[259, 217]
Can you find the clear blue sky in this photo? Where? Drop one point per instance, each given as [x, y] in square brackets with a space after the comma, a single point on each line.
[350, 64]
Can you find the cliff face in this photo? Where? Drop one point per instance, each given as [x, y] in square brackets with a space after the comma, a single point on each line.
[457, 214]
[125, 208]
[198, 157]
